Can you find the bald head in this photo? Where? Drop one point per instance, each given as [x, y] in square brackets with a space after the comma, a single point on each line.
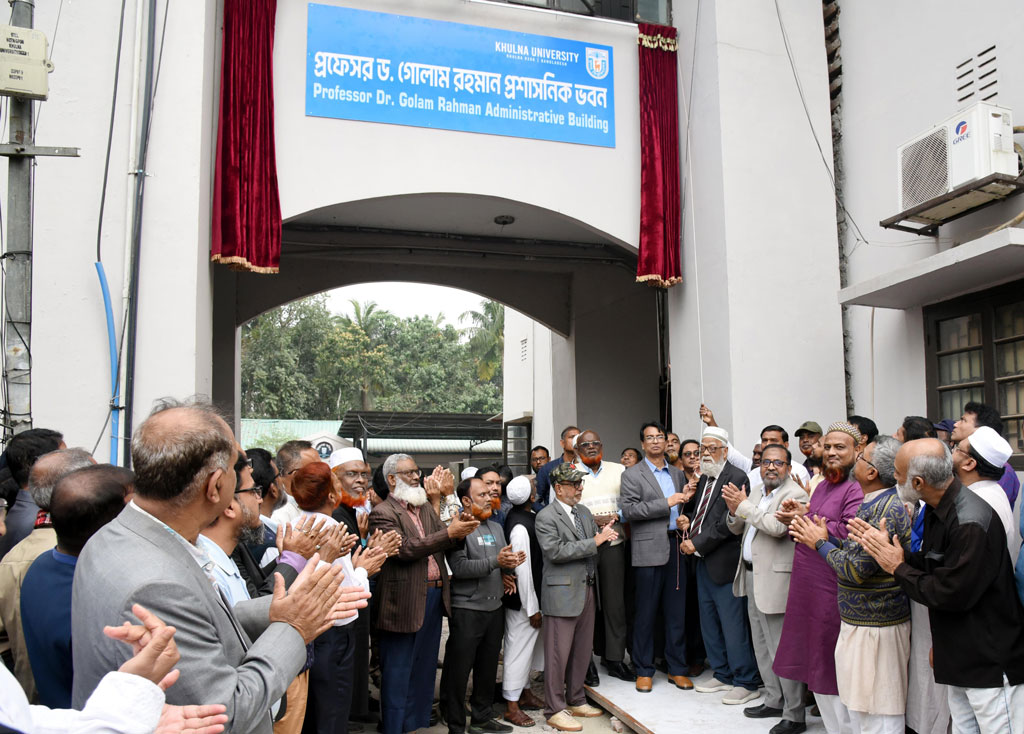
[924, 470]
[176, 449]
[51, 468]
[85, 500]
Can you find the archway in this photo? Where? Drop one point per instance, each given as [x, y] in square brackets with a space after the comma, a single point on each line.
[576, 281]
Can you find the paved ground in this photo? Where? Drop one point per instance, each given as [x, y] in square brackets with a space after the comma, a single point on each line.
[665, 710]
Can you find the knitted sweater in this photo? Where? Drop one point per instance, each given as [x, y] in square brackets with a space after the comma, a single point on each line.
[867, 595]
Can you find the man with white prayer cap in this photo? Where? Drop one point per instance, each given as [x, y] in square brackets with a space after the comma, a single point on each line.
[468, 473]
[978, 462]
[524, 647]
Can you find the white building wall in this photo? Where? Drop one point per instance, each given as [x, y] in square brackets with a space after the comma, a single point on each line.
[71, 372]
[383, 160]
[530, 383]
[760, 255]
[899, 79]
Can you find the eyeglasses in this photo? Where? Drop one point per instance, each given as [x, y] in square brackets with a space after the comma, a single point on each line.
[861, 457]
[242, 462]
[711, 449]
[777, 463]
[256, 491]
[357, 474]
[589, 445]
[410, 473]
[652, 439]
[690, 454]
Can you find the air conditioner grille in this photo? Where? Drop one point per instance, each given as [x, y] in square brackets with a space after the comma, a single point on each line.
[925, 169]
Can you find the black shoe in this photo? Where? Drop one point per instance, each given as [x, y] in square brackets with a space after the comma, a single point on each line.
[592, 678]
[621, 671]
[788, 727]
[491, 725]
[761, 712]
[434, 717]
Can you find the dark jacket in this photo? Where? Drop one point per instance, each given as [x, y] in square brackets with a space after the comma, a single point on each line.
[476, 576]
[401, 588]
[520, 516]
[718, 546]
[964, 576]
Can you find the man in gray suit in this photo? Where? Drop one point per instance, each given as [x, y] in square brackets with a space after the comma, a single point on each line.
[187, 465]
[762, 575]
[653, 497]
[569, 540]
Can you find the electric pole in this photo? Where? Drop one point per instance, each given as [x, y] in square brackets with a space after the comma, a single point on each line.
[23, 70]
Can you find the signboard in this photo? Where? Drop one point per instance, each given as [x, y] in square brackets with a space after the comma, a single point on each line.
[379, 67]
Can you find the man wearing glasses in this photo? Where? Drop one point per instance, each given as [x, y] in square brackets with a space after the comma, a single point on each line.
[412, 595]
[651, 500]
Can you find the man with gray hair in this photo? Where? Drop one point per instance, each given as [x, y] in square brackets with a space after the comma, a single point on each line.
[964, 576]
[292, 456]
[187, 468]
[42, 478]
[412, 593]
[874, 632]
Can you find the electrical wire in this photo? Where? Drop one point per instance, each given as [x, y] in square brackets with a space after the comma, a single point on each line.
[49, 58]
[110, 134]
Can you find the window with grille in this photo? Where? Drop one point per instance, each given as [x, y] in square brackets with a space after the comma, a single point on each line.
[975, 348]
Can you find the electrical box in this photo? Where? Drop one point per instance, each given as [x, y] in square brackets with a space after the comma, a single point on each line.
[973, 144]
[23, 63]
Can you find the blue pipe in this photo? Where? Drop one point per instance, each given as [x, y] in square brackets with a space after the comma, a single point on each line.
[115, 409]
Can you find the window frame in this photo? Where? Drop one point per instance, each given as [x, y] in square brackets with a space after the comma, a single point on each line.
[551, 5]
[983, 303]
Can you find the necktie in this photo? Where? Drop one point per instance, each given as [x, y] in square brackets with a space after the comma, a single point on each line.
[579, 531]
[709, 488]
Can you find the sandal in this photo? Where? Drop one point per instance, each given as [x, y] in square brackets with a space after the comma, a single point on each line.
[518, 718]
[529, 701]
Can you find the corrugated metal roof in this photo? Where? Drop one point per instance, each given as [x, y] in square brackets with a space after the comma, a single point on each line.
[432, 446]
[256, 431]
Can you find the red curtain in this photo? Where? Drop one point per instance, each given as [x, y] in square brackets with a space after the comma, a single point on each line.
[659, 158]
[246, 207]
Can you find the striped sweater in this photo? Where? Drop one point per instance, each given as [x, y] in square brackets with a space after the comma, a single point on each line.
[867, 595]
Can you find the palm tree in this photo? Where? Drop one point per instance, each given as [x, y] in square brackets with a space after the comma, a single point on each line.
[486, 338]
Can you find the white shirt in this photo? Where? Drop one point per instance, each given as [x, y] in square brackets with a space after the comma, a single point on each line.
[351, 576]
[519, 539]
[748, 535]
[225, 571]
[288, 512]
[745, 464]
[994, 495]
[121, 704]
[568, 511]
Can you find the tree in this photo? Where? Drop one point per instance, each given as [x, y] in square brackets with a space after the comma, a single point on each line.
[487, 339]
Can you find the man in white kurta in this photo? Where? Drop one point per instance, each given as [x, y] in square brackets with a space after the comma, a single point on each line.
[524, 647]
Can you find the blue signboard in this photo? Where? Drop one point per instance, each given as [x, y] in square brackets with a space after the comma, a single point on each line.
[379, 67]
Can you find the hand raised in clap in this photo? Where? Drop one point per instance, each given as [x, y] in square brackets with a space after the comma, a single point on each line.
[733, 496]
[508, 558]
[606, 535]
[462, 525]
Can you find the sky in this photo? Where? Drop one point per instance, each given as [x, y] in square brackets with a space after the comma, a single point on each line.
[407, 299]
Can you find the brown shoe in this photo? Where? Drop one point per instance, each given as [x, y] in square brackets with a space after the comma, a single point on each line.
[681, 681]
[644, 684]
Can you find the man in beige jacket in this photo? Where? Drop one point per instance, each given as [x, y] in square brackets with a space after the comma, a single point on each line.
[762, 575]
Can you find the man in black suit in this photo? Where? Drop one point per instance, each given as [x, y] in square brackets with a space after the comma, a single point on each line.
[723, 617]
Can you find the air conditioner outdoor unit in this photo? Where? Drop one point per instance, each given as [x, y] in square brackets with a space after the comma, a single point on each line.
[973, 144]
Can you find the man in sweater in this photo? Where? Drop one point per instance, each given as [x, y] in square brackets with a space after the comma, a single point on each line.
[874, 633]
[601, 484]
[477, 622]
[964, 576]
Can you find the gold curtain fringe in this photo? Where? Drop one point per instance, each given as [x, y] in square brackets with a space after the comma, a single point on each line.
[656, 281]
[658, 41]
[236, 262]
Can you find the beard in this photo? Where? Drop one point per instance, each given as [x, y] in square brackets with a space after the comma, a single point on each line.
[250, 534]
[414, 494]
[495, 504]
[836, 474]
[908, 494]
[773, 483]
[592, 462]
[351, 501]
[671, 458]
[483, 514]
[710, 467]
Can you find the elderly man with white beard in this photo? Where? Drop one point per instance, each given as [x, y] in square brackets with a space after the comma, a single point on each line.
[412, 594]
[723, 617]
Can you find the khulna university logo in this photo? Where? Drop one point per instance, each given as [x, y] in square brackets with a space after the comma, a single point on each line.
[597, 62]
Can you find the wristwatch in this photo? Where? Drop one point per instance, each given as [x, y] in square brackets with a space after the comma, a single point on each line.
[818, 543]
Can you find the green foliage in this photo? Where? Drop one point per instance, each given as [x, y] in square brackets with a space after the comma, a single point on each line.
[300, 361]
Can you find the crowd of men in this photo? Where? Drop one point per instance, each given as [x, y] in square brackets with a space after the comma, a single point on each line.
[871, 584]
